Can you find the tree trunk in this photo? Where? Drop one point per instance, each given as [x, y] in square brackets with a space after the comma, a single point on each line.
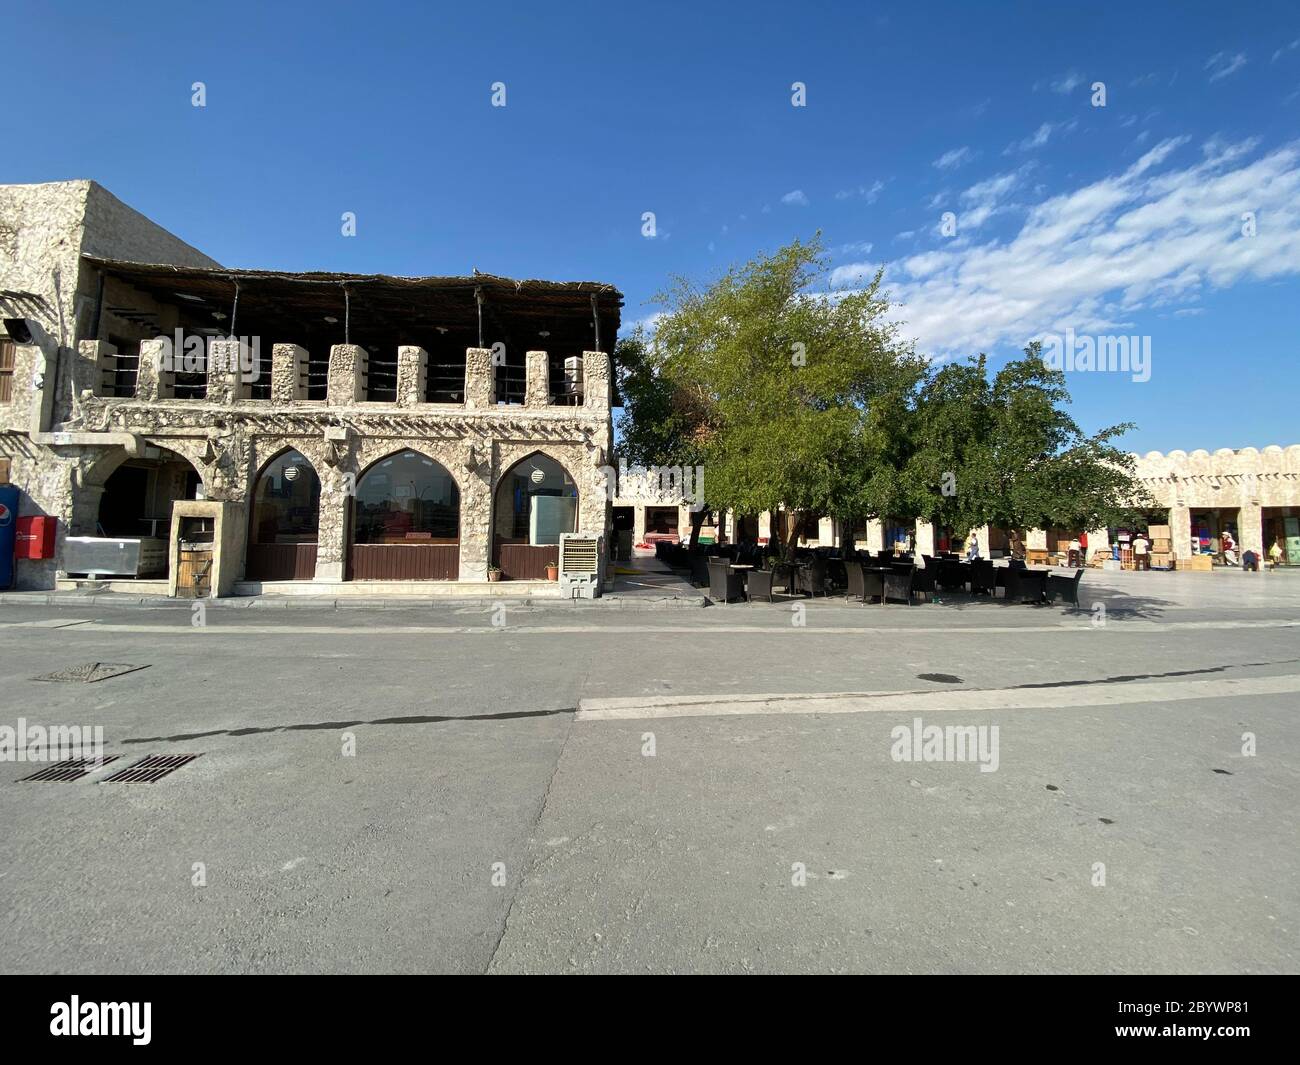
[697, 523]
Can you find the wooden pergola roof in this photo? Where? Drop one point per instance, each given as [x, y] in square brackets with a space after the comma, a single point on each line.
[383, 309]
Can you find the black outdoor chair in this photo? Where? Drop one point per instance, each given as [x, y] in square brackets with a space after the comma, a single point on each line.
[1065, 587]
[700, 570]
[923, 582]
[853, 581]
[898, 585]
[811, 578]
[725, 584]
[1011, 583]
[758, 582]
[983, 577]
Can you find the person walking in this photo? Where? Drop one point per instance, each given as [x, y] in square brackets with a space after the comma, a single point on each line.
[1275, 553]
[972, 547]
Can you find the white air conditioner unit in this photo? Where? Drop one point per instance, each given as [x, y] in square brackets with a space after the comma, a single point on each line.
[581, 559]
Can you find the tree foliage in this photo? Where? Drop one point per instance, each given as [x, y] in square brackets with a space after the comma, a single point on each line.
[796, 398]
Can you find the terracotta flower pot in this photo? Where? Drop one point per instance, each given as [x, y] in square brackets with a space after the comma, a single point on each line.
[552, 571]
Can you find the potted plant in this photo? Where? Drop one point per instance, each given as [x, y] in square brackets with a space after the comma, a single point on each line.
[494, 573]
[552, 571]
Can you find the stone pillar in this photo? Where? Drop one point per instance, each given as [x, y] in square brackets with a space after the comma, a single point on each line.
[1098, 540]
[480, 379]
[1250, 529]
[331, 534]
[875, 535]
[338, 486]
[93, 366]
[475, 480]
[638, 524]
[154, 381]
[412, 375]
[595, 380]
[349, 365]
[825, 531]
[984, 537]
[537, 389]
[924, 538]
[226, 383]
[1180, 531]
[1036, 540]
[288, 373]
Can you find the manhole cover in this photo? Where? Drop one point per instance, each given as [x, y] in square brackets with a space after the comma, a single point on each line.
[92, 672]
[940, 678]
[150, 768]
[72, 769]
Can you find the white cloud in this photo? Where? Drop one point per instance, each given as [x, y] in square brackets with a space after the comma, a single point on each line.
[1040, 136]
[870, 193]
[796, 198]
[1091, 258]
[1221, 64]
[1066, 83]
[857, 247]
[952, 159]
[1286, 48]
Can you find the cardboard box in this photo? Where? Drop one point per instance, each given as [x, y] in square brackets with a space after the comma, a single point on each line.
[1158, 532]
[1196, 563]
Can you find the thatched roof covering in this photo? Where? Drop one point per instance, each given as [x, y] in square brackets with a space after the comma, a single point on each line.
[380, 308]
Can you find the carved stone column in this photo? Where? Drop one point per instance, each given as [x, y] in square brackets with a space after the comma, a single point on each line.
[288, 373]
[595, 380]
[480, 379]
[227, 380]
[538, 385]
[154, 380]
[412, 375]
[349, 364]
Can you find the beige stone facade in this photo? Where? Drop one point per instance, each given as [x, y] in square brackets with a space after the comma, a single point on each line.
[1253, 492]
[105, 387]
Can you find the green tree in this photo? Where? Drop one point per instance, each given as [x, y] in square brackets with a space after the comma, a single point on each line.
[795, 399]
[1005, 451]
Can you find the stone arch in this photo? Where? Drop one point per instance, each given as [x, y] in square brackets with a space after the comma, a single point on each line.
[513, 549]
[405, 522]
[134, 500]
[283, 518]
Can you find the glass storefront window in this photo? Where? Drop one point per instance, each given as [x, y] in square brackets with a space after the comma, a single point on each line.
[536, 502]
[286, 502]
[403, 498]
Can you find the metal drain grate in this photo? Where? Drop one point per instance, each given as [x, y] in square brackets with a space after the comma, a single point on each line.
[72, 769]
[91, 672]
[150, 768]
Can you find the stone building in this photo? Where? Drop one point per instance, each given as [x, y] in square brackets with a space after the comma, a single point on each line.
[316, 430]
[1252, 493]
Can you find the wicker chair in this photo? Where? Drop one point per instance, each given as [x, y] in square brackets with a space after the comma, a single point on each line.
[898, 585]
[725, 584]
[758, 582]
[1065, 587]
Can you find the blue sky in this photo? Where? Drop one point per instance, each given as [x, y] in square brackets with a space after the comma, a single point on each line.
[1123, 219]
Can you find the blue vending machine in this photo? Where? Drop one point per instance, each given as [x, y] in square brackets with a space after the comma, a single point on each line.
[8, 533]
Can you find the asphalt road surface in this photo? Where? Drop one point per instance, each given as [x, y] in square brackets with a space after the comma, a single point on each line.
[728, 789]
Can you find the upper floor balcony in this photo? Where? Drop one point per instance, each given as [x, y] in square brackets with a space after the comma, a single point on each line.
[220, 337]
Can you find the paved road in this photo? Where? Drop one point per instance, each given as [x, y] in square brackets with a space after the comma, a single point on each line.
[520, 753]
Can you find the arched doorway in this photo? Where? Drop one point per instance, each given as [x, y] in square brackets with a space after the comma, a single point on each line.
[535, 502]
[405, 522]
[283, 521]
